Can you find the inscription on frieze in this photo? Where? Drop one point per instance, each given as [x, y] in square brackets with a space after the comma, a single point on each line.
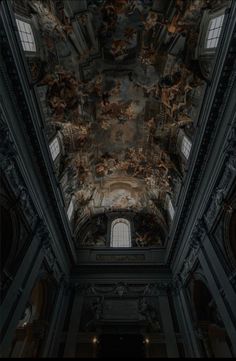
[120, 257]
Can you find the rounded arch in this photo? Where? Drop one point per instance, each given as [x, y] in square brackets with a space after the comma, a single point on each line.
[120, 233]
[209, 325]
[201, 298]
[33, 326]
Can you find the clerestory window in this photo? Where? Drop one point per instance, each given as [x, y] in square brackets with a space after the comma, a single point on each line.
[120, 233]
[54, 148]
[26, 35]
[186, 147]
[214, 30]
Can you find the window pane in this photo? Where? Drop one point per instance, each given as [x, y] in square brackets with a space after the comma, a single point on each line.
[211, 25]
[171, 209]
[186, 147]
[70, 210]
[214, 31]
[26, 35]
[120, 233]
[54, 148]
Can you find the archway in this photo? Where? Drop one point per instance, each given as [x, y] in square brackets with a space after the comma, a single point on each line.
[33, 326]
[121, 346]
[210, 327]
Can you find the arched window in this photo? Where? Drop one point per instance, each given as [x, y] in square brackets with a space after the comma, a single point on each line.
[186, 147]
[214, 30]
[120, 233]
[26, 35]
[54, 148]
[171, 209]
[70, 210]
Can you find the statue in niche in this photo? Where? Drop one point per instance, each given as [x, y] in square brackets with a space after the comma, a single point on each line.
[148, 231]
[94, 239]
[95, 309]
[96, 233]
[148, 313]
[141, 240]
[49, 23]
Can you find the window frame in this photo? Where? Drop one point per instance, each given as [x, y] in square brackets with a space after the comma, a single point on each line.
[116, 243]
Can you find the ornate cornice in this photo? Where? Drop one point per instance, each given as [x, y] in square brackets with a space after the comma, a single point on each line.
[123, 289]
[16, 81]
[209, 130]
[10, 169]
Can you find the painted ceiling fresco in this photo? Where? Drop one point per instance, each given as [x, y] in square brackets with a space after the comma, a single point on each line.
[120, 105]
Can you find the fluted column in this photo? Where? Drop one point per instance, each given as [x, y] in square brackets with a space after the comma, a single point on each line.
[58, 335]
[187, 343]
[54, 322]
[72, 334]
[220, 302]
[171, 344]
[188, 323]
[221, 275]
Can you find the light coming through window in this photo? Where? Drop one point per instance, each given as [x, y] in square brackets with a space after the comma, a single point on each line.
[171, 209]
[70, 210]
[26, 35]
[186, 147]
[214, 31]
[54, 148]
[120, 233]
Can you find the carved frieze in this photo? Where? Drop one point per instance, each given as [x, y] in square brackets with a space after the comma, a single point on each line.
[120, 257]
[123, 289]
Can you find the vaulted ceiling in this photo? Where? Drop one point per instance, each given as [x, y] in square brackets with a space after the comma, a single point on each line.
[123, 103]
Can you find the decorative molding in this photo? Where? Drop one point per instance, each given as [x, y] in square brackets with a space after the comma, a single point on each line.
[123, 289]
[26, 108]
[120, 257]
[227, 179]
[9, 167]
[194, 248]
[219, 96]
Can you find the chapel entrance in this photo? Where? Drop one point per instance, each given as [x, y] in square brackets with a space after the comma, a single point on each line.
[119, 346]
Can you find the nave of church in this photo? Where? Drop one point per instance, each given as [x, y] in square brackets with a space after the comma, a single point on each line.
[118, 178]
